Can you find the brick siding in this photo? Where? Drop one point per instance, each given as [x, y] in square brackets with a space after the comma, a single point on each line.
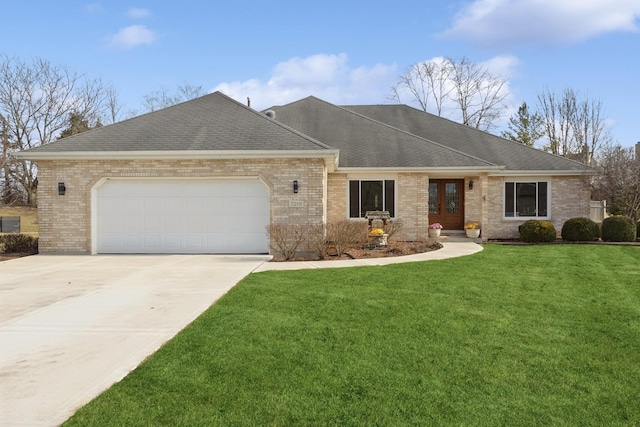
[65, 221]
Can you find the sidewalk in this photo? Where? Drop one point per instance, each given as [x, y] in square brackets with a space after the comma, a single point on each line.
[451, 249]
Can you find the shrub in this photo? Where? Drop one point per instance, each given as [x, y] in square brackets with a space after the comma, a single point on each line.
[346, 233]
[392, 228]
[16, 242]
[618, 228]
[615, 209]
[285, 239]
[317, 240]
[580, 230]
[537, 231]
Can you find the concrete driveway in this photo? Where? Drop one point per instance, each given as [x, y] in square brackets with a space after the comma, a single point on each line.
[71, 326]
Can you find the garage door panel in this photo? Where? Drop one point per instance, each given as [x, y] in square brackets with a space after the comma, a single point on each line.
[186, 216]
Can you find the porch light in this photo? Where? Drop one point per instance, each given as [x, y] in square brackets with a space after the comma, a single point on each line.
[61, 189]
[295, 186]
[470, 184]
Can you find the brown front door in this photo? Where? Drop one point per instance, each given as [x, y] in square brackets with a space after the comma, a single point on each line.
[446, 203]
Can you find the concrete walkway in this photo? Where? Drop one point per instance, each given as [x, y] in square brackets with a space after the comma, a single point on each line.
[451, 249]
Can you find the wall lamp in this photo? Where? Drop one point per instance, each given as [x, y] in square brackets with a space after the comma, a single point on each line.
[61, 189]
[471, 185]
[295, 186]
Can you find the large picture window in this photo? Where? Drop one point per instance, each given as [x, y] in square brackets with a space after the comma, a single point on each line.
[371, 196]
[526, 199]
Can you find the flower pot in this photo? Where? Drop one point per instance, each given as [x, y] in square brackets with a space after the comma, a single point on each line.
[434, 232]
[473, 233]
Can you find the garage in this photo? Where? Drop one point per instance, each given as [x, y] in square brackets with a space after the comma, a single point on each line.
[186, 216]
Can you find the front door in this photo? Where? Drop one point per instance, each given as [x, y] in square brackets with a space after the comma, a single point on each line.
[446, 203]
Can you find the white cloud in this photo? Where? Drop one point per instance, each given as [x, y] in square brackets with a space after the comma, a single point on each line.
[137, 13]
[509, 22]
[329, 77]
[95, 8]
[130, 37]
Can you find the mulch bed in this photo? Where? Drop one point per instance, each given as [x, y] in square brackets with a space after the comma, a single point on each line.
[392, 250]
[13, 255]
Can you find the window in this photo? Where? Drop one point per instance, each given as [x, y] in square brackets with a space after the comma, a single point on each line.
[526, 199]
[371, 196]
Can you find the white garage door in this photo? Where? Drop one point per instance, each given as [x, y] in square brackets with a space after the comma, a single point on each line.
[182, 216]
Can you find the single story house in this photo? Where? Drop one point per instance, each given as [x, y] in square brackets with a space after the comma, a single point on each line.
[208, 176]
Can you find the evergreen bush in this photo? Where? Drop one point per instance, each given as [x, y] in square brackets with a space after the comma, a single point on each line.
[580, 230]
[537, 231]
[18, 243]
[618, 228]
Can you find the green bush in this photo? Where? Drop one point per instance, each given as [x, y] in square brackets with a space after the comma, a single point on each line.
[16, 242]
[618, 228]
[580, 230]
[537, 231]
[615, 209]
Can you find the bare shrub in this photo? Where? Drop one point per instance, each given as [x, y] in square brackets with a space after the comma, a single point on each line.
[346, 233]
[284, 239]
[317, 240]
[392, 228]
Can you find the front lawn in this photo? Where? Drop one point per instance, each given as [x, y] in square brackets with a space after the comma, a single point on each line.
[514, 336]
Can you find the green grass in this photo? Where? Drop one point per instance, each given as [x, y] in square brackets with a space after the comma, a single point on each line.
[514, 336]
[28, 218]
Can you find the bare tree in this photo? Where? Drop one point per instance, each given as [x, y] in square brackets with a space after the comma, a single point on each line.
[36, 101]
[162, 98]
[425, 81]
[618, 178]
[114, 107]
[574, 127]
[467, 89]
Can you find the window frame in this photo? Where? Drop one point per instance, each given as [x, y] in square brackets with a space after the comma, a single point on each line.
[384, 180]
[528, 180]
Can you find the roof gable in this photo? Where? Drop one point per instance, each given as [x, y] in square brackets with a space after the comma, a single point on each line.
[212, 122]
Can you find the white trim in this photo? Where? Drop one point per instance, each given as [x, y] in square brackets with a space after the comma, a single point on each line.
[530, 180]
[546, 173]
[178, 154]
[452, 172]
[444, 170]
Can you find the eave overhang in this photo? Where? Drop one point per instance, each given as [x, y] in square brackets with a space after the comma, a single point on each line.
[330, 156]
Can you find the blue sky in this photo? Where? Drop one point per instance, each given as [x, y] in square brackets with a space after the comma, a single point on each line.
[345, 52]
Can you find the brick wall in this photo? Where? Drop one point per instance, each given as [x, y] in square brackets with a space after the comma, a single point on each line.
[569, 199]
[413, 205]
[411, 202]
[65, 221]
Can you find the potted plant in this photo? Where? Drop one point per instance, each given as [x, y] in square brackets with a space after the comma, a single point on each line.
[472, 228]
[434, 229]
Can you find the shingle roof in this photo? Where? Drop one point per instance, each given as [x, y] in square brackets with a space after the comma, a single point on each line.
[512, 155]
[366, 143]
[212, 122]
